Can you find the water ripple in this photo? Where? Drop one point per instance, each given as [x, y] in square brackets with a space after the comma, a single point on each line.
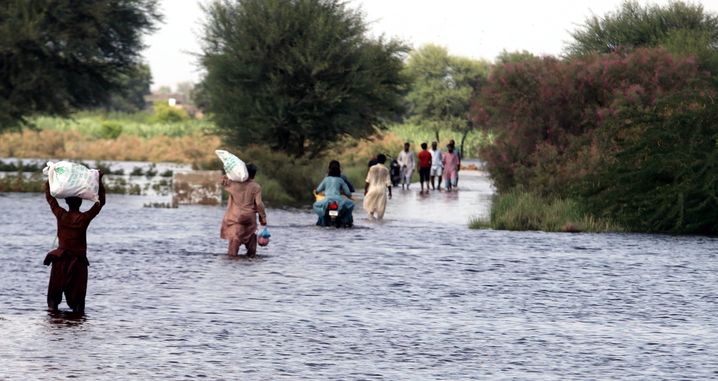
[417, 297]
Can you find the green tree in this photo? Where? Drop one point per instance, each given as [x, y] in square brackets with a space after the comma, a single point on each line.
[664, 175]
[59, 55]
[513, 57]
[133, 86]
[633, 26]
[199, 96]
[442, 88]
[297, 74]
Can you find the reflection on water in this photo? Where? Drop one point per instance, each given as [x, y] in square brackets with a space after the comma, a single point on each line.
[418, 296]
[65, 318]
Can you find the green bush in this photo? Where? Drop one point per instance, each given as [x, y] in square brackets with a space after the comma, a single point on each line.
[298, 177]
[664, 175]
[356, 173]
[520, 210]
[286, 180]
[272, 192]
[140, 124]
[164, 113]
[110, 129]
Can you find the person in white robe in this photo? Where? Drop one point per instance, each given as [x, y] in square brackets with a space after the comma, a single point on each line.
[377, 184]
[407, 162]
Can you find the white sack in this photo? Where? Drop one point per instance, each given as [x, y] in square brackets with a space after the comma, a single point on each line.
[234, 167]
[72, 180]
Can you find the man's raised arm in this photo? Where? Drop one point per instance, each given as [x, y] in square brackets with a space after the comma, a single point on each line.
[54, 206]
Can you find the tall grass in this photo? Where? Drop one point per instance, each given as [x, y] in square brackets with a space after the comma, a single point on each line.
[521, 210]
[74, 145]
[137, 125]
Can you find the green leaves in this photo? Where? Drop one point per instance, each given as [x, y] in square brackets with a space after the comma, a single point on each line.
[60, 55]
[633, 26]
[442, 88]
[665, 175]
[297, 74]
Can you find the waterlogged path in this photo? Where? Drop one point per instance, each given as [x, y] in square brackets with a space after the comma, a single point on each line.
[418, 297]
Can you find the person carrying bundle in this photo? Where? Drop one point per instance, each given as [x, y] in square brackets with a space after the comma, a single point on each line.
[239, 225]
[69, 262]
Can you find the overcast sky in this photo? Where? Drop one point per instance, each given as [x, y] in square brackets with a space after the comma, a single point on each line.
[472, 28]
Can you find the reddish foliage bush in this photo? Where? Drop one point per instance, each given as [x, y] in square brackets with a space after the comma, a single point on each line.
[545, 112]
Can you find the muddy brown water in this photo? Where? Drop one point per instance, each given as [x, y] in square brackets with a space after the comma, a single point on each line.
[417, 297]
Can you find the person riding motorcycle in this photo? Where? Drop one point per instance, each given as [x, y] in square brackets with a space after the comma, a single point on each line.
[333, 187]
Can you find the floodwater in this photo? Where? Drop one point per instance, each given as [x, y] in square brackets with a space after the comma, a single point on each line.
[417, 297]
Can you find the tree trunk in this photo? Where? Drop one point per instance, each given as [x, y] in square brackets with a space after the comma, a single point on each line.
[463, 138]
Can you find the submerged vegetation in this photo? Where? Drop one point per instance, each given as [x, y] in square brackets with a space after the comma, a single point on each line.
[520, 210]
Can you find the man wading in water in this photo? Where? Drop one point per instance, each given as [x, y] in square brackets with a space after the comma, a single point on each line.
[239, 224]
[69, 261]
[375, 188]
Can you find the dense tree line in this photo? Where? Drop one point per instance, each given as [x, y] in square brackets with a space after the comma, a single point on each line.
[626, 123]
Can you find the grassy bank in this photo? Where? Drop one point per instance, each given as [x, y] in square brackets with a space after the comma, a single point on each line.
[519, 210]
[114, 125]
[190, 149]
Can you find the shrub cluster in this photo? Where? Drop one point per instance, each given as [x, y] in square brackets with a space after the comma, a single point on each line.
[521, 210]
[630, 136]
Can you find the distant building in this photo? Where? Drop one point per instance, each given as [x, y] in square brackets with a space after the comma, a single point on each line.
[175, 100]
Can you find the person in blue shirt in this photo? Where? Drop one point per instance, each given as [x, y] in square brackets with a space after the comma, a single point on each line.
[334, 187]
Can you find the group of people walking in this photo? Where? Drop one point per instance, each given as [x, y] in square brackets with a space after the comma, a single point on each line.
[431, 164]
[337, 190]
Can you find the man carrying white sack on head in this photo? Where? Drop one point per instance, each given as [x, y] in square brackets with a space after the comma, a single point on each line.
[69, 261]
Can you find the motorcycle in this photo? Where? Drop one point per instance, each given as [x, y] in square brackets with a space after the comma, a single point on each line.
[333, 216]
[395, 172]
